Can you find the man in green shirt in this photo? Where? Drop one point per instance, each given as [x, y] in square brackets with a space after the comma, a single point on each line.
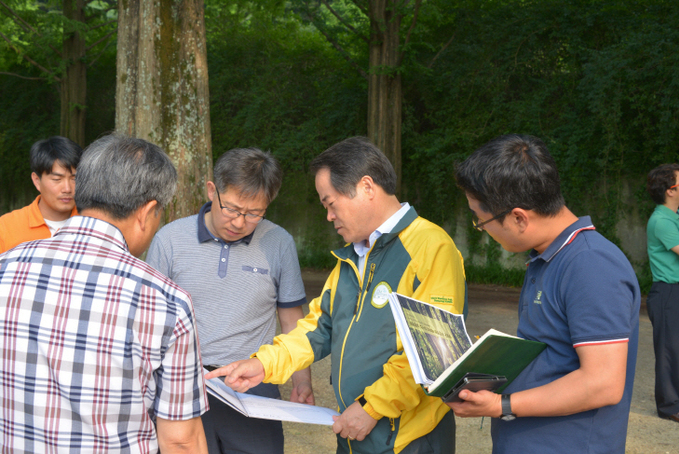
[662, 233]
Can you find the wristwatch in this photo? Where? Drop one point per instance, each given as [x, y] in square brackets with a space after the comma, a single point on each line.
[507, 414]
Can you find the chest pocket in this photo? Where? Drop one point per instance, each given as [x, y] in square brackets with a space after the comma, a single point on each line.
[254, 269]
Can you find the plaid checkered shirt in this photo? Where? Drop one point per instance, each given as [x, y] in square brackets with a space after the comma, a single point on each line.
[94, 345]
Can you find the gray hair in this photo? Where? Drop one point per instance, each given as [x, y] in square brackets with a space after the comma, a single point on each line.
[351, 160]
[250, 171]
[118, 175]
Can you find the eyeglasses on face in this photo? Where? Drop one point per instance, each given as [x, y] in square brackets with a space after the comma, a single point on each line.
[479, 225]
[234, 214]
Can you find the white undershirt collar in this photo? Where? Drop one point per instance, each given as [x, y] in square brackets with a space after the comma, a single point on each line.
[387, 226]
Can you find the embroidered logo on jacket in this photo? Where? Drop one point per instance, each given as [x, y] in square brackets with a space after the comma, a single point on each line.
[380, 296]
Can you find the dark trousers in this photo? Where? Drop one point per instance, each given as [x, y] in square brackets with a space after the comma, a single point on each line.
[663, 311]
[229, 432]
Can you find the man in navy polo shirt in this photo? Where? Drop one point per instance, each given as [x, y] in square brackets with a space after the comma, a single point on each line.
[580, 297]
[241, 270]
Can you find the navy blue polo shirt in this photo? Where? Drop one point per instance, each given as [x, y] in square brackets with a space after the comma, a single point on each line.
[580, 291]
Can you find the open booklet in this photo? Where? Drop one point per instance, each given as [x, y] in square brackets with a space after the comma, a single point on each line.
[266, 408]
[441, 353]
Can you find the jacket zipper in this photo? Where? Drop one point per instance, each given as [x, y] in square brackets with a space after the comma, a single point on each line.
[361, 301]
[346, 335]
[393, 429]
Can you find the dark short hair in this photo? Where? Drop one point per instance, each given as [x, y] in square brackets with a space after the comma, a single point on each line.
[250, 171]
[512, 171]
[44, 153]
[118, 175]
[660, 180]
[351, 160]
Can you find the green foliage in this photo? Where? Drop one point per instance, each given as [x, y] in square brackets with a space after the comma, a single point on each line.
[316, 259]
[494, 274]
[596, 79]
[277, 85]
[34, 34]
[29, 96]
[29, 110]
[340, 22]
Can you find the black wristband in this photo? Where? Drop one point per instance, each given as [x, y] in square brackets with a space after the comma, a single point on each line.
[507, 414]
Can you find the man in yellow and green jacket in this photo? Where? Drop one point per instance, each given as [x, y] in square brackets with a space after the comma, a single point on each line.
[389, 248]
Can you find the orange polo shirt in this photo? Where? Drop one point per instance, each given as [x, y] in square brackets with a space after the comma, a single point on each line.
[24, 224]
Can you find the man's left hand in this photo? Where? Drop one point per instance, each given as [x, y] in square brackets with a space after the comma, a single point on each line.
[355, 423]
[302, 393]
[301, 387]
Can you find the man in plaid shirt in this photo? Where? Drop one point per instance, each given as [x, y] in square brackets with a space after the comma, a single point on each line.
[98, 351]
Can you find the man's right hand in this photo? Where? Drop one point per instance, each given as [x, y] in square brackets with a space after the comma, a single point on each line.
[240, 375]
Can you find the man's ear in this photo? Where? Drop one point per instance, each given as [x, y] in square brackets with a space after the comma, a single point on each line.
[211, 189]
[146, 213]
[367, 185]
[520, 218]
[36, 181]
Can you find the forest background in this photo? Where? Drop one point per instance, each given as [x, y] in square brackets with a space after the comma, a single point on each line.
[596, 80]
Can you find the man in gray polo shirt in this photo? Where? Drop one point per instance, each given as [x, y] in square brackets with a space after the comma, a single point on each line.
[240, 269]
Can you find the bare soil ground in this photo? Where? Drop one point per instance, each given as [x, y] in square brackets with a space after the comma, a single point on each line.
[495, 307]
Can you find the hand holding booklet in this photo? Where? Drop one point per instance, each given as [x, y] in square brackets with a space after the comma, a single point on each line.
[266, 408]
[441, 354]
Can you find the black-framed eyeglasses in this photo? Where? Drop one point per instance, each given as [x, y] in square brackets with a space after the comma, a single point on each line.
[479, 225]
[234, 214]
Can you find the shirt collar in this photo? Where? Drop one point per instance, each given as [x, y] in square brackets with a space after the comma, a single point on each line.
[85, 225]
[666, 212]
[564, 239]
[386, 227]
[204, 233]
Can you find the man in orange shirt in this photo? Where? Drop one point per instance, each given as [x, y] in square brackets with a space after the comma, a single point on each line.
[53, 165]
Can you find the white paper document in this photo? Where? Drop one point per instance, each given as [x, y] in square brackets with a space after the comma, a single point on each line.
[267, 408]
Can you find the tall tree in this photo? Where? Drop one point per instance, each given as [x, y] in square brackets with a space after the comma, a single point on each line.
[337, 19]
[162, 89]
[74, 81]
[61, 39]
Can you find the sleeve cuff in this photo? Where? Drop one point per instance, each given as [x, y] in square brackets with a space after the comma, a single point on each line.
[283, 305]
[369, 409]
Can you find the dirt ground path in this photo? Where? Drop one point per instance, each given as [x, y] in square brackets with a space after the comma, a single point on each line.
[495, 307]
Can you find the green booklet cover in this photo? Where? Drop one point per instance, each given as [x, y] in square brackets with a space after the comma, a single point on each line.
[440, 352]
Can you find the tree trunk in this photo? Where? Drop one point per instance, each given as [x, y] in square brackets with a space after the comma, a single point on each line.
[162, 90]
[384, 81]
[73, 89]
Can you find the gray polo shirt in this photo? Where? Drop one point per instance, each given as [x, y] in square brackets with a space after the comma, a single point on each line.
[235, 287]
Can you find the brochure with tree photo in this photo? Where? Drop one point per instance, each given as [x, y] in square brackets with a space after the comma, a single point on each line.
[441, 353]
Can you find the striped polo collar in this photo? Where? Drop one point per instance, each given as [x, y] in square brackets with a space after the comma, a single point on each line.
[204, 234]
[564, 239]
